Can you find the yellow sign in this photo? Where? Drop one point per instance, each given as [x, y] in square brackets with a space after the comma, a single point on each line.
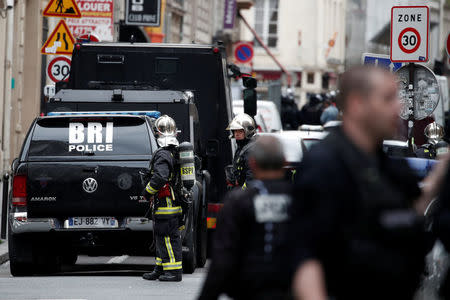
[60, 41]
[62, 8]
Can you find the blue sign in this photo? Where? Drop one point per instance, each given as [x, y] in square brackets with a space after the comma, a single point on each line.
[243, 53]
[381, 61]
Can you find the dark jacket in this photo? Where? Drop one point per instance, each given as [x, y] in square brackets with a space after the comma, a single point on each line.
[241, 170]
[250, 251]
[354, 214]
[162, 183]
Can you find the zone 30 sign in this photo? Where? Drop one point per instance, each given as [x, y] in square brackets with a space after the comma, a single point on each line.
[409, 33]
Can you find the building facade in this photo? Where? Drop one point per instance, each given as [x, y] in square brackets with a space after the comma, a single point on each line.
[306, 37]
[21, 31]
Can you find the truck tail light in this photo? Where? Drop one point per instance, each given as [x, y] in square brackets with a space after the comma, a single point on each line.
[19, 196]
[214, 207]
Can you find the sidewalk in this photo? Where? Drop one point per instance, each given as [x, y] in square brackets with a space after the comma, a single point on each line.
[4, 252]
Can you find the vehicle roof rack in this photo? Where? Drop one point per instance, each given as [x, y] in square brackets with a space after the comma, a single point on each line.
[152, 114]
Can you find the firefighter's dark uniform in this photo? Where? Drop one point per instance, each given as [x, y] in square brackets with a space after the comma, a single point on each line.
[441, 227]
[166, 209]
[250, 253]
[354, 213]
[241, 170]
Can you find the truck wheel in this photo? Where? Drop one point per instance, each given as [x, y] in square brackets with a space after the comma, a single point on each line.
[190, 257]
[202, 240]
[20, 264]
[47, 261]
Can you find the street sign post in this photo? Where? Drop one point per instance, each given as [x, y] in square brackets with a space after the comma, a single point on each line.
[62, 9]
[145, 13]
[410, 33]
[380, 60]
[448, 45]
[243, 52]
[59, 69]
[60, 41]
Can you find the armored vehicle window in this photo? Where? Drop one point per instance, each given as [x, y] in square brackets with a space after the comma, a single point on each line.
[90, 136]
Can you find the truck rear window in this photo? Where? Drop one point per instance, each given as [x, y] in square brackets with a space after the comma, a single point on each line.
[87, 136]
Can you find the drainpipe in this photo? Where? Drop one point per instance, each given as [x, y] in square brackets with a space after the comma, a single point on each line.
[8, 87]
[442, 38]
[258, 38]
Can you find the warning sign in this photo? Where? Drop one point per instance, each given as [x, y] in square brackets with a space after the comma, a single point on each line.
[62, 8]
[97, 20]
[60, 41]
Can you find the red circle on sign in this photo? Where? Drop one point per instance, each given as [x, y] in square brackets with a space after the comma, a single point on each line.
[448, 44]
[52, 63]
[413, 30]
[241, 50]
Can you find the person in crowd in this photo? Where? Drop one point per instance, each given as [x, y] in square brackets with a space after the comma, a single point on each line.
[330, 112]
[243, 130]
[250, 252]
[359, 213]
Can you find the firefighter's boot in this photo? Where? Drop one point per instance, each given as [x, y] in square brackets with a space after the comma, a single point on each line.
[157, 271]
[175, 275]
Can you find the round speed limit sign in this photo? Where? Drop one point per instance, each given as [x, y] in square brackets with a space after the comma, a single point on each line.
[59, 69]
[409, 40]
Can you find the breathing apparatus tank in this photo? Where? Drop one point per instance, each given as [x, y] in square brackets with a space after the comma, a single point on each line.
[187, 164]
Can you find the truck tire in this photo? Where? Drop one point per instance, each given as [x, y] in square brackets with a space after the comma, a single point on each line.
[202, 240]
[190, 256]
[19, 264]
[47, 261]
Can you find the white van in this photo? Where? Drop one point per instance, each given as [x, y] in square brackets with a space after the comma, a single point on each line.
[267, 110]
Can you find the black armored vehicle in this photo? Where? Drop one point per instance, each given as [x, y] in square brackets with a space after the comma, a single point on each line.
[200, 69]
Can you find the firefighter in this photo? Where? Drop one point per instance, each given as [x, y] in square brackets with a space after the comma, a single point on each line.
[243, 130]
[250, 249]
[166, 208]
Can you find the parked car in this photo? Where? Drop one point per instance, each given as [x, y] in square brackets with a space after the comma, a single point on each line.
[267, 111]
[296, 143]
[395, 148]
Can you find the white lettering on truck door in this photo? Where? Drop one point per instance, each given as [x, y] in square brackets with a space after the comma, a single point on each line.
[76, 133]
[95, 132]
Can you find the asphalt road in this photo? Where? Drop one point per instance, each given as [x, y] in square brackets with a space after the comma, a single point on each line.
[100, 278]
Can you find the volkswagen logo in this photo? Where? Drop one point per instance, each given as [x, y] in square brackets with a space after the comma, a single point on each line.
[90, 185]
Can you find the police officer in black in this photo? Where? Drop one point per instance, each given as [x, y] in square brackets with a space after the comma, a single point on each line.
[250, 255]
[243, 130]
[166, 207]
[360, 213]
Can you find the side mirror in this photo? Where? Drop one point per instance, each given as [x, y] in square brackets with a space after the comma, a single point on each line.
[249, 95]
[14, 164]
[250, 102]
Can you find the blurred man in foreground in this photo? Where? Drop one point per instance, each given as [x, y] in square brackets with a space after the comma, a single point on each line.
[250, 258]
[364, 231]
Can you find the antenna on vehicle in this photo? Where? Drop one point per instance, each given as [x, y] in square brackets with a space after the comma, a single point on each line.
[132, 39]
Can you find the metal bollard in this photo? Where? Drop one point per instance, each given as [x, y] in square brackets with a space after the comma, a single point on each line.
[4, 211]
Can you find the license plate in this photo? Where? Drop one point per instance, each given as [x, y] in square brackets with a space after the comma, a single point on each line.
[91, 222]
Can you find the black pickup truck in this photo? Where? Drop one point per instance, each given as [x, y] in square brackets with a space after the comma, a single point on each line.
[77, 189]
